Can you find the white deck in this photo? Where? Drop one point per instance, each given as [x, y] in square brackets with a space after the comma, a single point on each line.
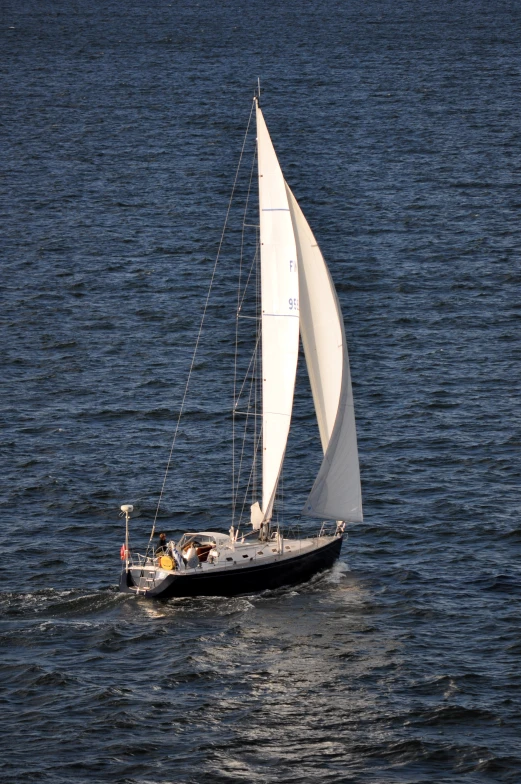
[228, 555]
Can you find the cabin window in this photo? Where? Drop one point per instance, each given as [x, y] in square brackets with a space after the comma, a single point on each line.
[245, 556]
[260, 552]
[229, 559]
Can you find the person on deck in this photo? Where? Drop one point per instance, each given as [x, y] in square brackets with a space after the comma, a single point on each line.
[162, 545]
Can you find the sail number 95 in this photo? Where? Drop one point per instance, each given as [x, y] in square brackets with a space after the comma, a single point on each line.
[293, 303]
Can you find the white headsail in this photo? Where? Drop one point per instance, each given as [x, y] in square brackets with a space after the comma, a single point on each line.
[280, 314]
[336, 493]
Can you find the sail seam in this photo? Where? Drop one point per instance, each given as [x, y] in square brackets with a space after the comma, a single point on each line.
[280, 315]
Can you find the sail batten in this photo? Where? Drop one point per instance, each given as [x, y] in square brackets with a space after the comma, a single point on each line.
[279, 317]
[336, 492]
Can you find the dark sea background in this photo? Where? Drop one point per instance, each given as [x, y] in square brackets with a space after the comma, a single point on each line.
[398, 127]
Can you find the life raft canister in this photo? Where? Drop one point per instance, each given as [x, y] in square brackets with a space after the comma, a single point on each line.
[123, 552]
[165, 562]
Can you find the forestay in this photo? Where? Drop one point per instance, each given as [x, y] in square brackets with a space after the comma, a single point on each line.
[280, 314]
[336, 493]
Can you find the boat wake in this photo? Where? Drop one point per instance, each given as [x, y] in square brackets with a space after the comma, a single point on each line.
[52, 603]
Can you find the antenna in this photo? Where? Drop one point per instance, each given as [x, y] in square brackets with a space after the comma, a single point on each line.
[126, 509]
[258, 90]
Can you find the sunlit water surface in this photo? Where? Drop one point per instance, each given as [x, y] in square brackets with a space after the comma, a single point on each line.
[397, 126]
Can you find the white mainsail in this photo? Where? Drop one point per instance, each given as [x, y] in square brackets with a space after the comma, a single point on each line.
[336, 493]
[280, 314]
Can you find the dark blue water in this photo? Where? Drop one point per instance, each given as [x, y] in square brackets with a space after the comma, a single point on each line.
[398, 128]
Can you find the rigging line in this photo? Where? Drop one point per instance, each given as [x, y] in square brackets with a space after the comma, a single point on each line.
[280, 511]
[255, 360]
[241, 297]
[252, 268]
[246, 205]
[258, 365]
[239, 305]
[247, 375]
[244, 441]
[244, 438]
[201, 326]
[251, 478]
[252, 474]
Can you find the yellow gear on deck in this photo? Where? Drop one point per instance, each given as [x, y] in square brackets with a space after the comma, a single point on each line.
[165, 562]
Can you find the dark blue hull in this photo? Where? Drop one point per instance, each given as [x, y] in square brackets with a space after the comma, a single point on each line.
[248, 579]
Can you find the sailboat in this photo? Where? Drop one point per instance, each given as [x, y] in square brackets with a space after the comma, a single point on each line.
[298, 300]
